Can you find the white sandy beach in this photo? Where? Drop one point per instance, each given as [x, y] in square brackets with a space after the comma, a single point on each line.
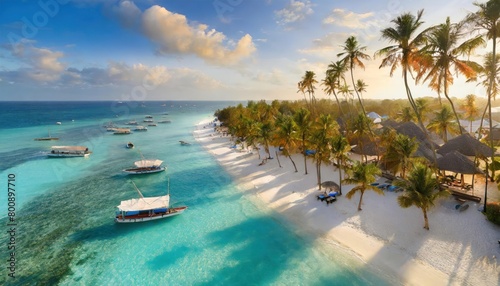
[461, 248]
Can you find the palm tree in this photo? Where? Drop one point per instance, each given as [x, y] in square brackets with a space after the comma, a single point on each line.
[420, 190]
[360, 127]
[398, 155]
[344, 90]
[444, 46]
[336, 73]
[362, 175]
[360, 87]
[330, 84]
[301, 118]
[307, 85]
[488, 18]
[339, 149]
[406, 115]
[264, 135]
[286, 136]
[324, 129]
[443, 123]
[471, 109]
[352, 55]
[405, 52]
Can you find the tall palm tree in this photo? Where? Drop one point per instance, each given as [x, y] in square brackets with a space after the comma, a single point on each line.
[330, 84]
[443, 123]
[339, 149]
[420, 190]
[404, 52]
[444, 46]
[336, 71]
[286, 136]
[352, 55]
[407, 114]
[302, 119]
[360, 87]
[307, 84]
[487, 18]
[323, 130]
[264, 135]
[360, 127]
[362, 175]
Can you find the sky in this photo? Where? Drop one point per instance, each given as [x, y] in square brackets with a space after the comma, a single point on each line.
[199, 49]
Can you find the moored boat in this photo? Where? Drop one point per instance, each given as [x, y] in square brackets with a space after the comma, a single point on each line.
[146, 167]
[121, 131]
[48, 138]
[146, 209]
[130, 145]
[69, 151]
[140, 128]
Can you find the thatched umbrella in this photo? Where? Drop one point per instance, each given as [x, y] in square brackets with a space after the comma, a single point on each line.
[457, 162]
[467, 145]
[412, 130]
[332, 186]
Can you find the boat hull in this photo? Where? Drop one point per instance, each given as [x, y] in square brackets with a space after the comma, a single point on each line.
[143, 218]
[67, 155]
[143, 171]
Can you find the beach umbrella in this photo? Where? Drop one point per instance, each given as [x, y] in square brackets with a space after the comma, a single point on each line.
[331, 185]
[467, 145]
[457, 162]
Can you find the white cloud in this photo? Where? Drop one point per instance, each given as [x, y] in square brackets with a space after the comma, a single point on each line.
[326, 47]
[128, 13]
[173, 34]
[295, 11]
[348, 19]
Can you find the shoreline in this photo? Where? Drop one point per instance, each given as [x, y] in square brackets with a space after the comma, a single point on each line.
[460, 248]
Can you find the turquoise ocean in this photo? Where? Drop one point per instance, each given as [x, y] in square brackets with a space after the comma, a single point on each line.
[64, 232]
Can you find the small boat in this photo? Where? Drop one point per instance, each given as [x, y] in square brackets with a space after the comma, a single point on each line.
[184, 143]
[140, 128]
[48, 138]
[146, 208]
[69, 151]
[146, 167]
[121, 131]
[148, 116]
[165, 121]
[148, 120]
[130, 145]
[152, 124]
[132, 122]
[58, 123]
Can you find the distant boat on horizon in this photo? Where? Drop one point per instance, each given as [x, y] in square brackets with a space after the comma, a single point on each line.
[48, 138]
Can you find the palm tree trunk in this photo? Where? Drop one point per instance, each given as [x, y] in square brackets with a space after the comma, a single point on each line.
[490, 86]
[361, 200]
[278, 158]
[426, 220]
[294, 166]
[451, 102]
[340, 176]
[304, 151]
[318, 172]
[338, 103]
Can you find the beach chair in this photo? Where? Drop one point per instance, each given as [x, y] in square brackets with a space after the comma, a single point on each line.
[382, 186]
[321, 197]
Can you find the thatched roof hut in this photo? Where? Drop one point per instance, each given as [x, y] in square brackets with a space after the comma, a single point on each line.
[467, 145]
[456, 162]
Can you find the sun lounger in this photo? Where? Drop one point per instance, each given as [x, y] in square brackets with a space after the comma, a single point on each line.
[392, 188]
[382, 186]
[321, 197]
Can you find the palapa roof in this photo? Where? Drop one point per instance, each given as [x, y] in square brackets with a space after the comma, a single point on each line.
[456, 162]
[330, 185]
[467, 145]
[144, 204]
[412, 130]
[148, 163]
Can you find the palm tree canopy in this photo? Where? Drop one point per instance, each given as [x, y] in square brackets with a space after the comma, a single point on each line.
[353, 53]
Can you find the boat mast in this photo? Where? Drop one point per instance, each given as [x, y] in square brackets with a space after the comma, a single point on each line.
[168, 186]
[137, 189]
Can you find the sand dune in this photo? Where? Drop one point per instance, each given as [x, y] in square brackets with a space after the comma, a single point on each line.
[461, 248]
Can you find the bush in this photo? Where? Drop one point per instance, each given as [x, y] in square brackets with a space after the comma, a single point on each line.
[493, 212]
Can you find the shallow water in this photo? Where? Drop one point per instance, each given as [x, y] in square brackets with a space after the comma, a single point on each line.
[65, 233]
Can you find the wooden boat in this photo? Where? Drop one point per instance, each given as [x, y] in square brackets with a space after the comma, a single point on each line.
[130, 145]
[48, 138]
[184, 143]
[69, 151]
[122, 131]
[146, 167]
[140, 128]
[146, 208]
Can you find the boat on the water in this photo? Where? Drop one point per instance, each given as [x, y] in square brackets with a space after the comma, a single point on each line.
[152, 124]
[164, 121]
[140, 128]
[146, 208]
[145, 166]
[130, 145]
[48, 138]
[121, 131]
[133, 122]
[69, 151]
[184, 143]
